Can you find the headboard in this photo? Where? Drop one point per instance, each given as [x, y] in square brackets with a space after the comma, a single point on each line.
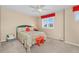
[22, 26]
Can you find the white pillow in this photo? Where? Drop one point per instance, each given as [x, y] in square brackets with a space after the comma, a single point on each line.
[21, 29]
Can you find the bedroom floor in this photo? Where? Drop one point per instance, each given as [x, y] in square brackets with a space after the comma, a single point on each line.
[13, 46]
[50, 46]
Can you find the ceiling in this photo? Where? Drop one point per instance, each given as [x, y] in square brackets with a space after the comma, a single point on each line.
[32, 10]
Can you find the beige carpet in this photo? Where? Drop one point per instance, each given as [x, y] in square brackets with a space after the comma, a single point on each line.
[55, 46]
[12, 46]
[50, 46]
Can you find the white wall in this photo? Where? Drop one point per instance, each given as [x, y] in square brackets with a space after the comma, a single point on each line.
[57, 32]
[71, 28]
[11, 19]
[0, 23]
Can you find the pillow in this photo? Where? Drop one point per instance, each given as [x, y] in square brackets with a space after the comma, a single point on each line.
[35, 29]
[21, 29]
[27, 29]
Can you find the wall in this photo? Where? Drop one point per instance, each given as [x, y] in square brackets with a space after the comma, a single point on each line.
[71, 28]
[11, 19]
[65, 27]
[56, 33]
[0, 23]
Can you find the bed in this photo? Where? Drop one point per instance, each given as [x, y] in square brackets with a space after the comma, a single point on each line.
[28, 38]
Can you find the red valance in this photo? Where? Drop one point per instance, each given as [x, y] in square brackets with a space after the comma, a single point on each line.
[76, 8]
[48, 15]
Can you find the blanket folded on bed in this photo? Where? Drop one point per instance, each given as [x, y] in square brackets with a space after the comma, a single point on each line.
[39, 40]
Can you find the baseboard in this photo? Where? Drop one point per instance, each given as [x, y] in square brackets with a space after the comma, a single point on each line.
[3, 41]
[49, 37]
[72, 43]
[55, 38]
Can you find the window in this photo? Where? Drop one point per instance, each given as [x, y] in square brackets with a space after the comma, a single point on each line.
[76, 14]
[48, 23]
